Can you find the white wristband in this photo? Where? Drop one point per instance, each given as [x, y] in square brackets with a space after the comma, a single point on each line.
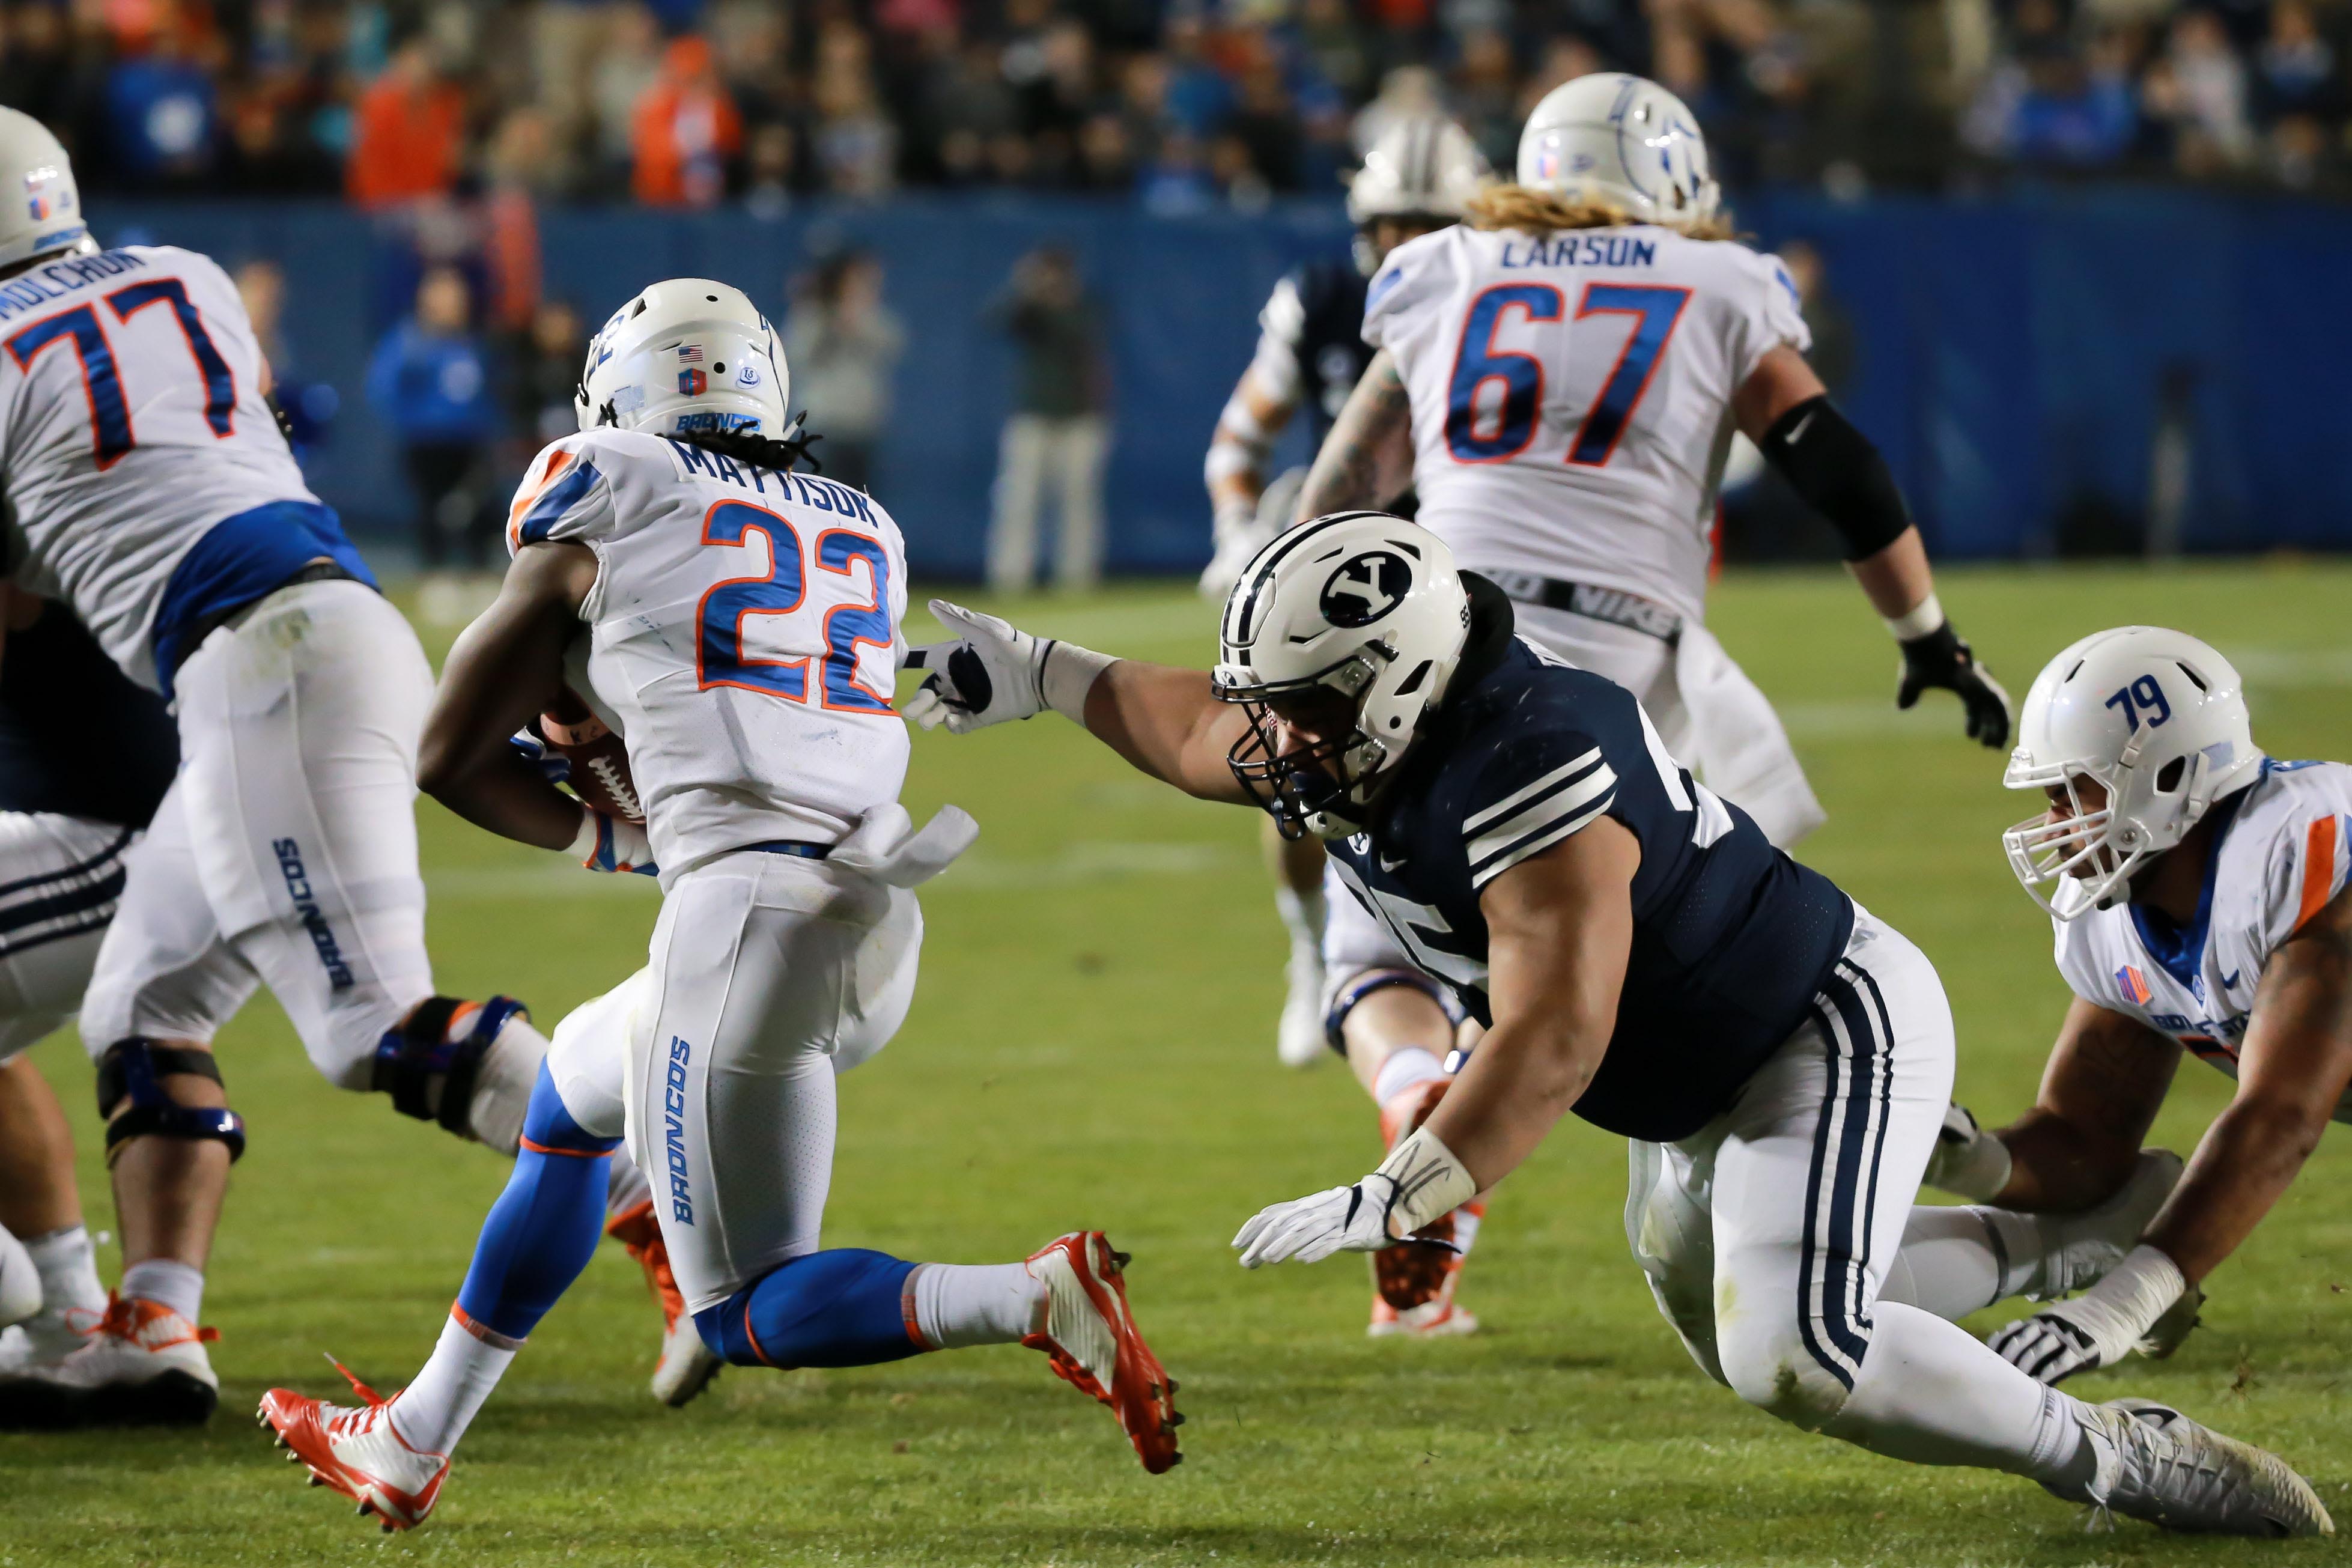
[1064, 676]
[1429, 1181]
[1924, 618]
[2138, 1291]
[584, 843]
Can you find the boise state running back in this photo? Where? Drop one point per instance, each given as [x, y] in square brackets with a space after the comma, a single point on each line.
[1781, 1059]
[744, 626]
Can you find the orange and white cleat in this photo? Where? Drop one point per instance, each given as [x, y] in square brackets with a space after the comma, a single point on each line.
[358, 1452]
[1091, 1338]
[1413, 1281]
[687, 1365]
[142, 1365]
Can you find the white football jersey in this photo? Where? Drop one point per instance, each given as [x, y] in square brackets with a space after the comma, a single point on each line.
[2283, 853]
[1571, 397]
[744, 630]
[131, 420]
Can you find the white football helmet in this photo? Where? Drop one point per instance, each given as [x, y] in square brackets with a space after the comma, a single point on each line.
[1623, 140]
[2158, 721]
[1419, 168]
[1359, 602]
[44, 217]
[684, 355]
[1423, 170]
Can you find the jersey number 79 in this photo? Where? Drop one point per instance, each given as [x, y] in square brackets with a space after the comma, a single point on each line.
[1504, 432]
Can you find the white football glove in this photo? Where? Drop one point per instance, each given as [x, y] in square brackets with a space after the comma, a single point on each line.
[1419, 1181]
[2098, 1328]
[989, 674]
[1967, 1162]
[994, 672]
[1310, 1229]
[608, 844]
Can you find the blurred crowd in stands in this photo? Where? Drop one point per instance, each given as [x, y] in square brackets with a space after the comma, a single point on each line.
[1184, 105]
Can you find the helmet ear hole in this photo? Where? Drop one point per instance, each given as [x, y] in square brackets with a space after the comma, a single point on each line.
[2167, 777]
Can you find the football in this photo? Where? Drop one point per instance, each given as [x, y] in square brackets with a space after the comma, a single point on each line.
[599, 757]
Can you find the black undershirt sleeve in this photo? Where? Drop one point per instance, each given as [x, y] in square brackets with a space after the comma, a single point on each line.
[1840, 473]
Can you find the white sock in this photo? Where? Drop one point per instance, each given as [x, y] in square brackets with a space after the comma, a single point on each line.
[1302, 916]
[624, 1186]
[1933, 1393]
[1407, 1067]
[433, 1411]
[168, 1283]
[67, 1264]
[974, 1304]
[1955, 1261]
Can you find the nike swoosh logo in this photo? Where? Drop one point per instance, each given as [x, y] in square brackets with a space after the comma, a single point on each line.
[2230, 981]
[1799, 429]
[1388, 865]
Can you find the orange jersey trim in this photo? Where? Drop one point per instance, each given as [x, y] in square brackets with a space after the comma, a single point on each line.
[2318, 868]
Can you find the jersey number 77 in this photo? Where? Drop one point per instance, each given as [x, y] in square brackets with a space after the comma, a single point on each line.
[1505, 427]
[102, 380]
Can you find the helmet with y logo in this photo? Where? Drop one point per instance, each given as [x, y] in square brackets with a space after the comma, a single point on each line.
[2158, 721]
[1359, 604]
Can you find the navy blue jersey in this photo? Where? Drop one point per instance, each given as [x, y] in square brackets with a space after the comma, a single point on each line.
[1325, 333]
[1731, 938]
[77, 737]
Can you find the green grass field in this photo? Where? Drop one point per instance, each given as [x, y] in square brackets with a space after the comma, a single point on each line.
[1092, 1045]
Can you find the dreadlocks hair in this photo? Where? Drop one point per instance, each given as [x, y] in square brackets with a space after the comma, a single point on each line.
[1542, 213]
[763, 451]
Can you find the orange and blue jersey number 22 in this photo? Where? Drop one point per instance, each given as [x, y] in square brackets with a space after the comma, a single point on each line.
[852, 624]
[101, 378]
[1508, 424]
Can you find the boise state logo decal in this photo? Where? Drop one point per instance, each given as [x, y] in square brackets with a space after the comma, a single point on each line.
[1365, 588]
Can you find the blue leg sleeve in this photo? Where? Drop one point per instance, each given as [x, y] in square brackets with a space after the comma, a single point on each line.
[543, 1229]
[839, 1307]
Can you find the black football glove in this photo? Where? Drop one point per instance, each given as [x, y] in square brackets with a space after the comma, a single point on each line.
[1941, 660]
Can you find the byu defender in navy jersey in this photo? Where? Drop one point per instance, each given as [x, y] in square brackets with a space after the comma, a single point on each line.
[1644, 957]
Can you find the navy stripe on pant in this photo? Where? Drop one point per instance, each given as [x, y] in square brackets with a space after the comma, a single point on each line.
[1841, 1187]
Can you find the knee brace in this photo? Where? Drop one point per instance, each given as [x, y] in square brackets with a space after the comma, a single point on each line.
[412, 1057]
[1344, 1000]
[129, 1077]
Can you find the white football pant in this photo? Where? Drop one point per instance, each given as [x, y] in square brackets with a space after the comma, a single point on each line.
[1767, 1235]
[60, 878]
[768, 975]
[285, 853]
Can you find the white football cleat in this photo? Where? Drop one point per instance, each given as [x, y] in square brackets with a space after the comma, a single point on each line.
[1091, 1338]
[687, 1365]
[358, 1452]
[2156, 1464]
[1435, 1320]
[1301, 1042]
[20, 1282]
[46, 1339]
[142, 1365]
